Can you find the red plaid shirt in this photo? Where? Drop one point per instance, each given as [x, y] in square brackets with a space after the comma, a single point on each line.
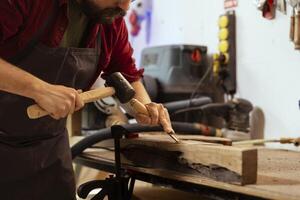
[20, 19]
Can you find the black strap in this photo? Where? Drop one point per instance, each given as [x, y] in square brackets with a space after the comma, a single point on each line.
[21, 142]
[36, 38]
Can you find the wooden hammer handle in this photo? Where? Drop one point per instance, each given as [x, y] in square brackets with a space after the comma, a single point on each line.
[35, 111]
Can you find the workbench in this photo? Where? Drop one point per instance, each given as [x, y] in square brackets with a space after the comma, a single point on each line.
[278, 176]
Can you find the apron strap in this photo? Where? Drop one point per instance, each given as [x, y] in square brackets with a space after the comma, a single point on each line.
[98, 45]
[36, 38]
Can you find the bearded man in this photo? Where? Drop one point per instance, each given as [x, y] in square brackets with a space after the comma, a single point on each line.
[49, 50]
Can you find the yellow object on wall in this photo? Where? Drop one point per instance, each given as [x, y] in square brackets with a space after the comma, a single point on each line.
[223, 46]
[223, 34]
[223, 21]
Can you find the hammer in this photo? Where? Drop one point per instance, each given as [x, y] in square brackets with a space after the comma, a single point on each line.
[117, 85]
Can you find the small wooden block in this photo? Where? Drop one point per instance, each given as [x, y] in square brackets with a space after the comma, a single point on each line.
[221, 163]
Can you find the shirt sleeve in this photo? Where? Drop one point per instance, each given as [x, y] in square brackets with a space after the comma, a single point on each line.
[12, 17]
[121, 57]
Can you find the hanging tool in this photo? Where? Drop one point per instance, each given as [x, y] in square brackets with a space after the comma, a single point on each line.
[292, 25]
[281, 6]
[297, 26]
[259, 4]
[293, 4]
[269, 9]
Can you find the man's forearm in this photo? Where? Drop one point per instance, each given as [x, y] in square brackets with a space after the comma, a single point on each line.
[141, 93]
[58, 100]
[17, 81]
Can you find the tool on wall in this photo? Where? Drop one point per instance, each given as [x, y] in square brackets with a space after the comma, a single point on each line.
[295, 23]
[141, 11]
[281, 6]
[224, 64]
[297, 26]
[268, 8]
[293, 4]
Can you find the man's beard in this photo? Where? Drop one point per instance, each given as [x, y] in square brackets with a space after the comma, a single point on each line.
[104, 16]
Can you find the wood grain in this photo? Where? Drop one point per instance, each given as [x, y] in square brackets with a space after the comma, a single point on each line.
[223, 163]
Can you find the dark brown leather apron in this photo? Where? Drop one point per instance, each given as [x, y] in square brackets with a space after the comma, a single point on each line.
[35, 159]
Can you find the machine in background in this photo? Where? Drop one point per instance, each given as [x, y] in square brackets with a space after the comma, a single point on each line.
[176, 72]
[183, 72]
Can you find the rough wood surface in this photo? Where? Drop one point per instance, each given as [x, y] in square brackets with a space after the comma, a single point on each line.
[222, 163]
[278, 174]
[162, 136]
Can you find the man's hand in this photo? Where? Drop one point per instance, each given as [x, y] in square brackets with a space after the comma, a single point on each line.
[59, 101]
[158, 115]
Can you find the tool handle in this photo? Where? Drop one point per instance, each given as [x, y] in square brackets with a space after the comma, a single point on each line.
[297, 31]
[286, 140]
[35, 111]
[295, 141]
[292, 27]
[96, 94]
[138, 107]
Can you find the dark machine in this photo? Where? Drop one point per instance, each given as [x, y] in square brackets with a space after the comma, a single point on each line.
[184, 72]
[177, 72]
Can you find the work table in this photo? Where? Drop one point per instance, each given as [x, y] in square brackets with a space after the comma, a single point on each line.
[278, 175]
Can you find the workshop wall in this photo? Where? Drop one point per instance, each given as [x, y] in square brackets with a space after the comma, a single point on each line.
[268, 67]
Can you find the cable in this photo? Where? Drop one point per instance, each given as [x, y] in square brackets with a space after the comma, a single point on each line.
[199, 108]
[183, 104]
[96, 136]
[201, 81]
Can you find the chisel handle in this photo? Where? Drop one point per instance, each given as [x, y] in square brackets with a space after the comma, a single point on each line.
[138, 107]
[297, 30]
[35, 111]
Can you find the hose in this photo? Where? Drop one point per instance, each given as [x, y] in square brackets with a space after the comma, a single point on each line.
[183, 104]
[95, 136]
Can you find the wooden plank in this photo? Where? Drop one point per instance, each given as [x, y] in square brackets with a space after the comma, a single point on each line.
[222, 163]
[278, 174]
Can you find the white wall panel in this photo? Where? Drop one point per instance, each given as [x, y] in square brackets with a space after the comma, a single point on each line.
[268, 66]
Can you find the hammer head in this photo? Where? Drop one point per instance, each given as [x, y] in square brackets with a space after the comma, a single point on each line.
[124, 91]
